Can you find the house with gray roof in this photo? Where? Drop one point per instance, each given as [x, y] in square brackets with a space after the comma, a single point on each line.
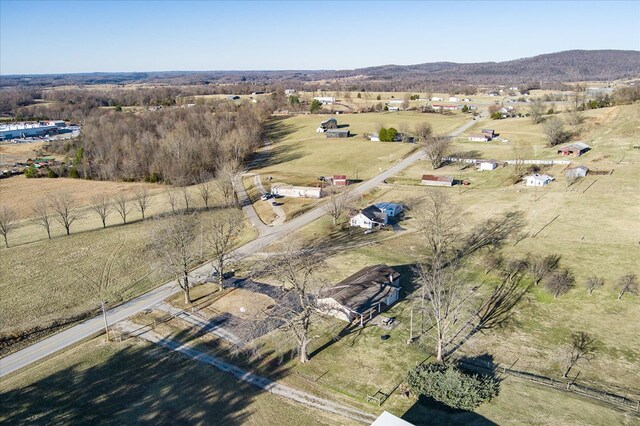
[362, 295]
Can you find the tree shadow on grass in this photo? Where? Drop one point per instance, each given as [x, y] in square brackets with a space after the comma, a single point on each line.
[139, 384]
[428, 411]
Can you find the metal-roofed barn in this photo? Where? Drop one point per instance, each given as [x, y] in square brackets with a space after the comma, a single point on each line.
[575, 149]
[431, 180]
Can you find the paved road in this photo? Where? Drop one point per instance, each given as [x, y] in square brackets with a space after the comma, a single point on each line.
[267, 235]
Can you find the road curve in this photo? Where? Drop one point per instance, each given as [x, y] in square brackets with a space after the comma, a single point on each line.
[61, 340]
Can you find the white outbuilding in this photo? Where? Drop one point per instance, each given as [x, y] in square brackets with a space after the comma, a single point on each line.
[538, 180]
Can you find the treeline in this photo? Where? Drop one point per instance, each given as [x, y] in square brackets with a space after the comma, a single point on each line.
[170, 145]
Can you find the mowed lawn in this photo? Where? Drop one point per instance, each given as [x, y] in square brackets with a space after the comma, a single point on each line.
[136, 382]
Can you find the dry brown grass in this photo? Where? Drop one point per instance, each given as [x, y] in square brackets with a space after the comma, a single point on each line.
[242, 303]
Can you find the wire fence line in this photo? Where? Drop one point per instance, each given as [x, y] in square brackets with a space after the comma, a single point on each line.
[570, 385]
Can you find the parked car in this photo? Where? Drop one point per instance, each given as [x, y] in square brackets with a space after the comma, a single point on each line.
[266, 196]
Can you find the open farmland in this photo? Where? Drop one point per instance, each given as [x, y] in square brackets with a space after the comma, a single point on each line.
[299, 155]
[58, 278]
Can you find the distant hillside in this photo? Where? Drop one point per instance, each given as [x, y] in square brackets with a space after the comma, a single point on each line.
[572, 65]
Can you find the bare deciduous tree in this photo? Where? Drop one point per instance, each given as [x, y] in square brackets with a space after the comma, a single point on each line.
[121, 204]
[593, 282]
[296, 269]
[536, 111]
[582, 346]
[436, 148]
[539, 267]
[142, 200]
[66, 209]
[222, 234]
[43, 215]
[492, 260]
[226, 180]
[627, 284]
[204, 188]
[423, 132]
[337, 202]
[101, 204]
[186, 196]
[438, 220]
[172, 197]
[173, 240]
[520, 151]
[560, 282]
[8, 222]
[555, 132]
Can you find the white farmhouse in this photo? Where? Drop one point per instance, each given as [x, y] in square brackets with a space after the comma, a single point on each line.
[369, 218]
[538, 180]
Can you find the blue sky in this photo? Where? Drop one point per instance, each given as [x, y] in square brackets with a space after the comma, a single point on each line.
[83, 36]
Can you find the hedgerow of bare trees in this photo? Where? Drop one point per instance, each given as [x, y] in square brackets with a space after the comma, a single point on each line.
[101, 204]
[8, 222]
[627, 284]
[66, 209]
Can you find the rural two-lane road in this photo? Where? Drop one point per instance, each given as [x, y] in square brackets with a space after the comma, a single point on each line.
[268, 235]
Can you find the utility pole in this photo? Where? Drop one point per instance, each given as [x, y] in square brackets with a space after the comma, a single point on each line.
[104, 317]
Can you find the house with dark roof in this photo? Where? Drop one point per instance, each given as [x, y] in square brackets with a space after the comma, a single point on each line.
[369, 218]
[329, 123]
[431, 180]
[362, 295]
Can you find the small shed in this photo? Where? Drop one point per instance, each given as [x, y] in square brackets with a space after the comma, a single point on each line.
[574, 150]
[479, 137]
[538, 180]
[339, 180]
[337, 133]
[488, 165]
[489, 133]
[577, 172]
[431, 180]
